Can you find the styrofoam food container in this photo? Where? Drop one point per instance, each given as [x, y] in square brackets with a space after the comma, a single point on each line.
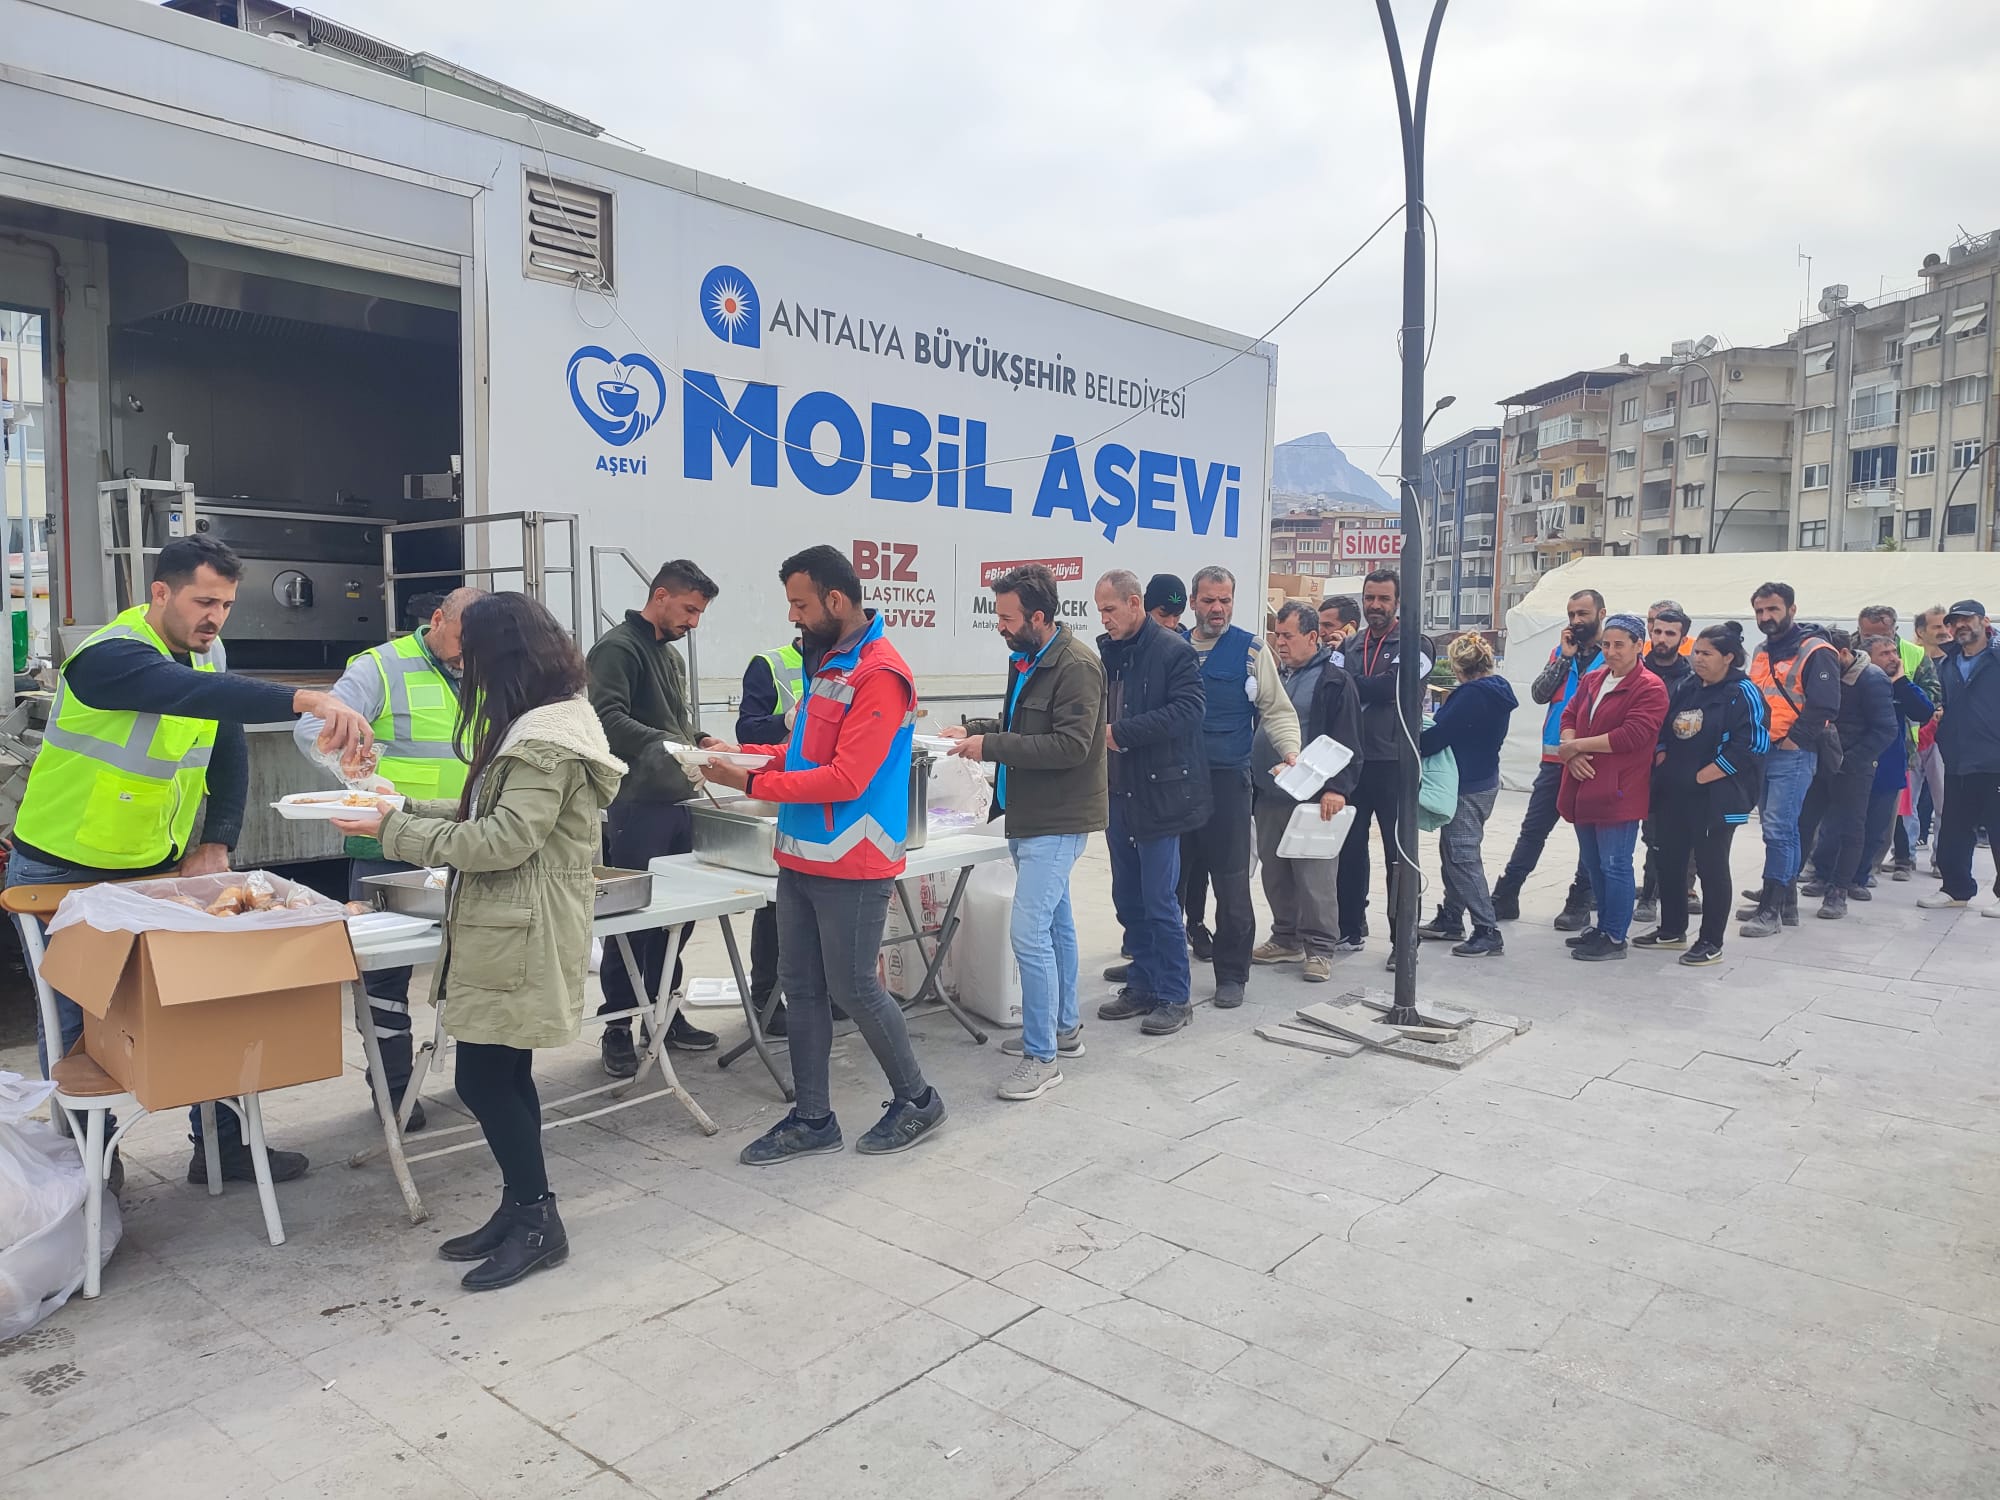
[303, 807]
[690, 755]
[1325, 757]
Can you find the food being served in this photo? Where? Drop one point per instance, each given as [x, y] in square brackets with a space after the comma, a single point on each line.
[357, 908]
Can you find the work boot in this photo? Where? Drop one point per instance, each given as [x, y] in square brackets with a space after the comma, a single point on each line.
[1507, 899]
[1767, 915]
[1834, 906]
[1228, 994]
[535, 1240]
[1318, 968]
[484, 1240]
[1859, 893]
[237, 1166]
[1119, 973]
[1201, 942]
[1443, 928]
[621, 1058]
[1166, 1019]
[1574, 918]
[1126, 1004]
[1788, 911]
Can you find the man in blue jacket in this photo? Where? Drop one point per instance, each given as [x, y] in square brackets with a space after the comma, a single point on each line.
[1968, 738]
[1159, 789]
[1576, 656]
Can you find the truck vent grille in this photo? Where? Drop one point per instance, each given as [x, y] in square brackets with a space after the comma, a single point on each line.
[566, 232]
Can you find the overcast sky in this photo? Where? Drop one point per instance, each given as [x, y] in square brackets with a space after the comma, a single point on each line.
[1606, 177]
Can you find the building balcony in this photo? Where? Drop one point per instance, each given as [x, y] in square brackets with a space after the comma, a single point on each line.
[1662, 474]
[1556, 454]
[1758, 411]
[1588, 489]
[1871, 493]
[1659, 421]
[1753, 463]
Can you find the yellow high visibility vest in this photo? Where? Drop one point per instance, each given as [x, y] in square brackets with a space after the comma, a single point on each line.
[415, 732]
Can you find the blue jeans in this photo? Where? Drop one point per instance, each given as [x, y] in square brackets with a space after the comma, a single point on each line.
[1044, 936]
[1607, 860]
[1788, 776]
[26, 869]
[1145, 892]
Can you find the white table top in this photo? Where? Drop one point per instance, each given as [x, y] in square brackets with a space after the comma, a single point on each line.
[950, 852]
[679, 895]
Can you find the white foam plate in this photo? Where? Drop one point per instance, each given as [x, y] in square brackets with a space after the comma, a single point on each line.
[303, 807]
[386, 926]
[689, 755]
[937, 744]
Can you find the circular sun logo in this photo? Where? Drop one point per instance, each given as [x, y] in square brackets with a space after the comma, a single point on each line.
[728, 304]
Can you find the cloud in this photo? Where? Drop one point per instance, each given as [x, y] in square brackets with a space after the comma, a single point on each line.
[1606, 179]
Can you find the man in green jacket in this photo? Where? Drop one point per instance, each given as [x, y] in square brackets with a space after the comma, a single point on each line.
[639, 687]
[1049, 746]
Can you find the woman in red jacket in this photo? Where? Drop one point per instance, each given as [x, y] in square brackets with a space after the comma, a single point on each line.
[1609, 733]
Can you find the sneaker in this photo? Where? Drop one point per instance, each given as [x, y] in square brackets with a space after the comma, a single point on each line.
[1442, 929]
[1228, 994]
[791, 1137]
[1657, 939]
[685, 1036]
[1124, 1005]
[1119, 973]
[1646, 911]
[1275, 952]
[1599, 951]
[903, 1125]
[1700, 955]
[1164, 1020]
[1030, 1079]
[621, 1058]
[1350, 945]
[1068, 1043]
[1318, 969]
[1859, 893]
[286, 1166]
[1902, 872]
[1573, 919]
[1201, 942]
[779, 1027]
[1582, 939]
[1694, 904]
[1485, 942]
[1991, 910]
[1940, 901]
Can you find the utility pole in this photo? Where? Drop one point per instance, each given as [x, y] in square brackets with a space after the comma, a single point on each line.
[1411, 114]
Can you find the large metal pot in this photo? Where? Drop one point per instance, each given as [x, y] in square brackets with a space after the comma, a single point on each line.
[920, 801]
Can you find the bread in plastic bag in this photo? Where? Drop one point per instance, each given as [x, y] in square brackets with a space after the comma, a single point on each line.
[156, 905]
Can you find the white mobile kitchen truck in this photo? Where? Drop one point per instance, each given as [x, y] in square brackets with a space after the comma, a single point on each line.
[294, 288]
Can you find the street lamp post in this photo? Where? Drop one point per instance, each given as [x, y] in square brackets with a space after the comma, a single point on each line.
[1411, 116]
[1944, 511]
[1715, 536]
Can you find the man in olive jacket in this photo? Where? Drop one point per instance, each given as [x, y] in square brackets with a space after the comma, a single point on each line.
[1049, 746]
[639, 687]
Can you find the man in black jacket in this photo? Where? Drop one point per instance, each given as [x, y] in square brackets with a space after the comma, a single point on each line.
[639, 687]
[1159, 790]
[1836, 808]
[1968, 738]
[1374, 661]
[1666, 630]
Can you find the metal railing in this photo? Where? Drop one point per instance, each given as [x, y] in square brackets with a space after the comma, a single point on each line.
[534, 569]
[601, 617]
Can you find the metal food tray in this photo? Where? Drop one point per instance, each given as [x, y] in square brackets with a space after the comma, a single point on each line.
[618, 891]
[739, 834]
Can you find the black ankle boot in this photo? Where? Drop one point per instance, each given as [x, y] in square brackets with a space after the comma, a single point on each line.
[535, 1238]
[484, 1240]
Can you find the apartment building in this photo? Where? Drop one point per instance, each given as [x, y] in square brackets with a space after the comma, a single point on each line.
[24, 424]
[1701, 453]
[1896, 430]
[1553, 454]
[1307, 540]
[1460, 501]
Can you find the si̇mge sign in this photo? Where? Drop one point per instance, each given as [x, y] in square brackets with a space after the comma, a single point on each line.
[1370, 546]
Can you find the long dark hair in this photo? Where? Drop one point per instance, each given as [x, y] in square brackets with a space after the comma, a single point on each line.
[517, 658]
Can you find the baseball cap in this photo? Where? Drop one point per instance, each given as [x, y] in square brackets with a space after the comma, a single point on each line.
[1970, 607]
[1164, 591]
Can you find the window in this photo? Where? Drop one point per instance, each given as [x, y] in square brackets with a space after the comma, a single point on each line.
[1694, 444]
[1667, 451]
[1694, 496]
[1968, 390]
[1885, 528]
[1628, 409]
[1698, 391]
[1690, 545]
[1626, 458]
[1892, 351]
[1561, 430]
[1960, 519]
[1968, 322]
[1873, 407]
[1578, 515]
[566, 232]
[1922, 398]
[1819, 359]
[1872, 468]
[1923, 461]
[1819, 419]
[1916, 525]
[1964, 454]
[1922, 332]
[1812, 533]
[1622, 506]
[1816, 477]
[1567, 479]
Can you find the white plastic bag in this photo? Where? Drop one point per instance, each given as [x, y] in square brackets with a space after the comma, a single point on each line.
[961, 794]
[42, 1189]
[982, 955]
[1309, 836]
[141, 907]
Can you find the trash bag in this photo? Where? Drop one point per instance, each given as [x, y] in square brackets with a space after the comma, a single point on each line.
[987, 979]
[42, 1188]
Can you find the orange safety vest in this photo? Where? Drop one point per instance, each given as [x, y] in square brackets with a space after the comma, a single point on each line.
[1778, 689]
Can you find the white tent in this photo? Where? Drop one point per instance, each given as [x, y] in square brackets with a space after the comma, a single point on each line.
[1832, 588]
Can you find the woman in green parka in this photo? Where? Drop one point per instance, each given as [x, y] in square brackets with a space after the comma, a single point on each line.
[520, 843]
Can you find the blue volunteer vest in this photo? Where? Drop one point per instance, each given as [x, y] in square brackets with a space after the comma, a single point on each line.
[1230, 722]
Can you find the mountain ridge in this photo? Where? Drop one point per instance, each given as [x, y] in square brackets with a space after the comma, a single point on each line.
[1313, 467]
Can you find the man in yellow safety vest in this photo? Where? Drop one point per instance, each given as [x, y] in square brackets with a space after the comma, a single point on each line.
[408, 691]
[146, 724]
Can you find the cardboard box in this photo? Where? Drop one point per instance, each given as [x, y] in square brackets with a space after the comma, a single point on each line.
[182, 1017]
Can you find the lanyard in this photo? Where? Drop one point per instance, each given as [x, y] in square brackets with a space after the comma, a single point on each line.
[1367, 661]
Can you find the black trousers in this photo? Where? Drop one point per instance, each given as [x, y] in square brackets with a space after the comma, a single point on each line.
[1375, 798]
[1971, 802]
[763, 955]
[1833, 824]
[1654, 835]
[635, 835]
[1687, 834]
[1222, 845]
[1194, 885]
[1536, 825]
[498, 1085]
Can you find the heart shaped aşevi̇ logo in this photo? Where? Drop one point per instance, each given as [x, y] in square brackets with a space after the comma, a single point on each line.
[616, 404]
